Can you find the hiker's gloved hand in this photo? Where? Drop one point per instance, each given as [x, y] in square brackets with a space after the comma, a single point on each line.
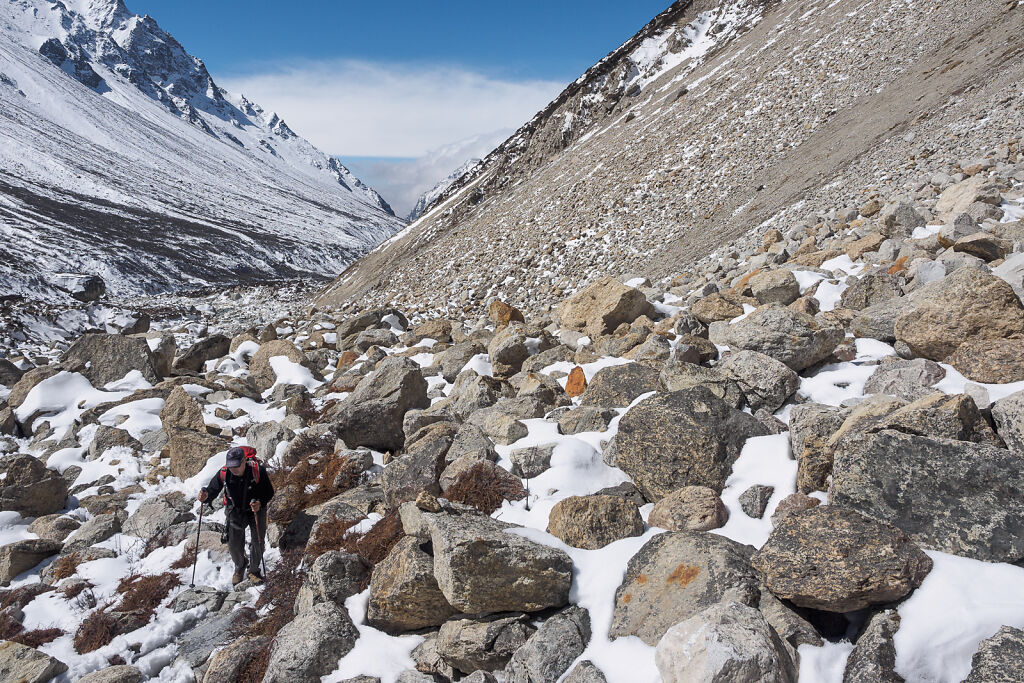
[203, 495]
[255, 505]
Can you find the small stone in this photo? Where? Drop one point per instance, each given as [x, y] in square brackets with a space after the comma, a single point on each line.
[754, 501]
[592, 522]
[691, 508]
[793, 504]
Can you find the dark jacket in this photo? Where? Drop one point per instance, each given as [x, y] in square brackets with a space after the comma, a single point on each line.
[242, 490]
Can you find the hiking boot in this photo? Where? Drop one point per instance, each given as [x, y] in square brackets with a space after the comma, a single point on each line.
[255, 576]
[238, 577]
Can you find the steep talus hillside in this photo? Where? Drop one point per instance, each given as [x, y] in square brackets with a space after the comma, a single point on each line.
[120, 156]
[717, 118]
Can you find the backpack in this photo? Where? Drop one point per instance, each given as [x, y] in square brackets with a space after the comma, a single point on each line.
[251, 461]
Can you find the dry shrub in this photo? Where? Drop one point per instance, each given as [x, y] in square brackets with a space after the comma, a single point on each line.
[188, 556]
[37, 637]
[311, 482]
[332, 537]
[144, 593]
[97, 630]
[161, 540]
[306, 446]
[23, 595]
[376, 543]
[66, 565]
[484, 488]
[73, 590]
[12, 629]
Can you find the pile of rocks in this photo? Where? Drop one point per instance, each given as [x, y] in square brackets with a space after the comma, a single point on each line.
[899, 302]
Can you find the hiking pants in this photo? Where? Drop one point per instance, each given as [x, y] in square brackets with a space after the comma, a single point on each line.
[236, 538]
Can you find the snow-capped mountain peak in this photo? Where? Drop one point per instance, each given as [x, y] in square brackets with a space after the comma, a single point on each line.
[111, 129]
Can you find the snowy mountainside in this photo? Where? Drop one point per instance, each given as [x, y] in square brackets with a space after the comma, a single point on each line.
[120, 156]
[713, 120]
[428, 198]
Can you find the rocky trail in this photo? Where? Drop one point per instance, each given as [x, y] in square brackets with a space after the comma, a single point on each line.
[799, 462]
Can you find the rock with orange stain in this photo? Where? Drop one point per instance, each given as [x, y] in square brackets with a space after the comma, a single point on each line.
[675, 576]
[577, 382]
[501, 314]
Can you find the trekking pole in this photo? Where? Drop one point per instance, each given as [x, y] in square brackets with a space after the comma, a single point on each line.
[259, 536]
[195, 555]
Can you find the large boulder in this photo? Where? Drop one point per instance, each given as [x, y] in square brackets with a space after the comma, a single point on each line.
[23, 664]
[1008, 414]
[194, 358]
[676, 575]
[483, 566]
[954, 496]
[908, 380]
[105, 358]
[265, 437]
[990, 361]
[190, 451]
[483, 643]
[111, 437]
[155, 516]
[333, 577]
[948, 416]
[592, 522]
[310, 646]
[262, 370]
[726, 643]
[508, 350]
[30, 488]
[873, 660]
[999, 659]
[454, 359]
[682, 438]
[29, 381]
[968, 304]
[795, 338]
[775, 287]
[549, 652]
[23, 555]
[181, 411]
[404, 596]
[372, 414]
[676, 376]
[836, 559]
[870, 290]
[618, 385]
[957, 198]
[9, 373]
[602, 306]
[420, 468]
[96, 530]
[691, 508]
[766, 382]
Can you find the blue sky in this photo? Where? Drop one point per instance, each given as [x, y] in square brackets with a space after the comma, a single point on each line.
[403, 92]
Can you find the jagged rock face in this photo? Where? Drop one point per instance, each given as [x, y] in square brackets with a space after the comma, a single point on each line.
[537, 210]
[119, 103]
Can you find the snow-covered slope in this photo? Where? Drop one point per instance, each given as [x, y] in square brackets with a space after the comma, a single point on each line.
[431, 195]
[120, 156]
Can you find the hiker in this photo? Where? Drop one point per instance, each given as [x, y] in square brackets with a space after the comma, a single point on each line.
[247, 490]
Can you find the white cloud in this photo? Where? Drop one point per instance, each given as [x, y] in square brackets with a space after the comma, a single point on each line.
[357, 108]
[401, 182]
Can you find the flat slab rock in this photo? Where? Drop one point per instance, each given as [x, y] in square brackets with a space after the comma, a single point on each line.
[674, 576]
[482, 566]
[838, 560]
[958, 497]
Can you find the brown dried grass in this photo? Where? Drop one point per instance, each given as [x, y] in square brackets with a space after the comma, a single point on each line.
[145, 593]
[280, 589]
[484, 488]
[97, 630]
[66, 565]
[311, 482]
